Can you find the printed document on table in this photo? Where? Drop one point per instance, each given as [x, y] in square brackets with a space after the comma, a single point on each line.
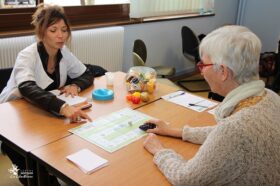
[69, 99]
[113, 131]
[190, 101]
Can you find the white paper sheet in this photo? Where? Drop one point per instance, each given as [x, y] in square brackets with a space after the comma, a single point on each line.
[69, 99]
[87, 161]
[190, 101]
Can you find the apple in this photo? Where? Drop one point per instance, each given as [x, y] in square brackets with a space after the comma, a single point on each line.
[135, 99]
[129, 97]
[145, 96]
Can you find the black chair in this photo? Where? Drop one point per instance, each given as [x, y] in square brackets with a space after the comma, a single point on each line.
[5, 74]
[140, 56]
[190, 46]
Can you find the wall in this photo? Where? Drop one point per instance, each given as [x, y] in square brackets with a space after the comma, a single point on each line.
[163, 39]
[262, 17]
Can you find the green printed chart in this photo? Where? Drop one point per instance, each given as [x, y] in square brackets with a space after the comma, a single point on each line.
[113, 131]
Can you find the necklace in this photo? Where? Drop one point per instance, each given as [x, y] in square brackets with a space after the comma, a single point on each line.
[51, 64]
[51, 68]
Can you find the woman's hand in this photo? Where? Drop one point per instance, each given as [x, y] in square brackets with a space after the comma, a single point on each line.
[72, 90]
[152, 144]
[74, 114]
[162, 128]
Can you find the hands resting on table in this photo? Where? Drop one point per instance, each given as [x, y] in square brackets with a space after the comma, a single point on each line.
[152, 143]
[75, 114]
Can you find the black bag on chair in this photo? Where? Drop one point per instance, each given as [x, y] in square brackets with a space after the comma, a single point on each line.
[96, 70]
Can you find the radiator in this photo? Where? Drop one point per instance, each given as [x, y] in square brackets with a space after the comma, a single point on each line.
[10, 47]
[101, 46]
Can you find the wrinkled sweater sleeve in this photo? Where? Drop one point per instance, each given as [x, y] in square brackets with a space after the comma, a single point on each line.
[196, 134]
[219, 160]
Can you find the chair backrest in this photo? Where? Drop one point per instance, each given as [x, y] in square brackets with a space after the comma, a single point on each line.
[5, 74]
[139, 48]
[190, 44]
[137, 60]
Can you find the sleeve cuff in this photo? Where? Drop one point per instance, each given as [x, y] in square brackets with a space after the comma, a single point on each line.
[56, 105]
[164, 154]
[187, 131]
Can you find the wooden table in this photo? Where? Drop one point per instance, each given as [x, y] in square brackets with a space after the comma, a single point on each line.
[25, 127]
[104, 107]
[131, 165]
[30, 127]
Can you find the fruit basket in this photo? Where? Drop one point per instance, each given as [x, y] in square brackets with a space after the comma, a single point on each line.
[141, 79]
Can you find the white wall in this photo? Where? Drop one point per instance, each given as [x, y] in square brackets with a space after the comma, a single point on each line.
[262, 17]
[163, 39]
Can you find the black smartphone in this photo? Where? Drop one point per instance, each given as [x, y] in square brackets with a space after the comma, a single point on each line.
[86, 106]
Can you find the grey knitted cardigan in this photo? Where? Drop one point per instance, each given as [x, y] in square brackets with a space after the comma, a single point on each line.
[242, 149]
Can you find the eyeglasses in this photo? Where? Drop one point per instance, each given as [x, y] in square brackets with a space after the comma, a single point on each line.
[201, 65]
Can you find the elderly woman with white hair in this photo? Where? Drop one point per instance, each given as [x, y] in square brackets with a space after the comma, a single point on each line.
[244, 147]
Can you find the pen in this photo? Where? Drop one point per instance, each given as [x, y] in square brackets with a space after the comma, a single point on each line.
[195, 105]
[182, 93]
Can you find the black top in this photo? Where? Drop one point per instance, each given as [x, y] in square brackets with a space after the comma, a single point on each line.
[41, 97]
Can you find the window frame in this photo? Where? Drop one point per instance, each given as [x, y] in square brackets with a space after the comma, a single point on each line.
[79, 16]
[96, 16]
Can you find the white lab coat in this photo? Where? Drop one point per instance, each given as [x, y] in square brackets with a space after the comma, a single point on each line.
[29, 67]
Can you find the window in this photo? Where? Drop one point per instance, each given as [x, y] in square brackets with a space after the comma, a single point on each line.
[19, 15]
[32, 3]
[86, 13]
[87, 2]
[17, 3]
[147, 8]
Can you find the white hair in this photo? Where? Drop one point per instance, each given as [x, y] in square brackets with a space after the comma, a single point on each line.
[236, 47]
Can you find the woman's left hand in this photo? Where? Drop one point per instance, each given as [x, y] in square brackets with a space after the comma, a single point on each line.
[74, 114]
[72, 90]
[152, 144]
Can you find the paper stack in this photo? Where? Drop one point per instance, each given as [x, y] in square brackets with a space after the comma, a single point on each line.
[87, 161]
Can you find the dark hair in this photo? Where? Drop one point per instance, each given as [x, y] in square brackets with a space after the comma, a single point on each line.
[47, 15]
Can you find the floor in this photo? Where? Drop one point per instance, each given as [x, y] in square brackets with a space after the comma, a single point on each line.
[5, 179]
[5, 163]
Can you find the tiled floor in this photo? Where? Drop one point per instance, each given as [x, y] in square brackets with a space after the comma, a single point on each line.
[6, 164]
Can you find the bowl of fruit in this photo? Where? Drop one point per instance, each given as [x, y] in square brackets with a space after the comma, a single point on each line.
[141, 79]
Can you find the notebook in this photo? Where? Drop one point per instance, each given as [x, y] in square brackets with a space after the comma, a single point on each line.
[87, 161]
